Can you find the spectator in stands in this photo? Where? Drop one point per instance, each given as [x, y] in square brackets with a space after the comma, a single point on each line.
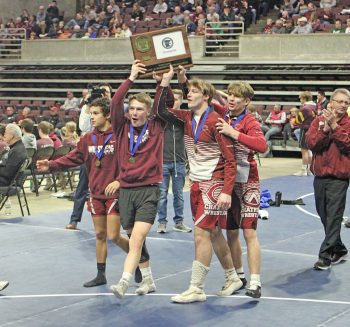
[78, 20]
[322, 102]
[338, 27]
[263, 8]
[10, 116]
[76, 33]
[315, 22]
[200, 28]
[278, 28]
[211, 13]
[54, 118]
[115, 7]
[288, 6]
[305, 117]
[4, 148]
[178, 17]
[10, 163]
[71, 103]
[23, 115]
[189, 24]
[55, 139]
[311, 8]
[290, 127]
[326, 16]
[186, 5]
[52, 10]
[328, 3]
[160, 7]
[52, 29]
[28, 138]
[252, 109]
[119, 33]
[267, 29]
[168, 23]
[25, 15]
[90, 19]
[41, 15]
[347, 30]
[136, 13]
[301, 7]
[274, 123]
[44, 132]
[69, 134]
[126, 30]
[303, 27]
[172, 4]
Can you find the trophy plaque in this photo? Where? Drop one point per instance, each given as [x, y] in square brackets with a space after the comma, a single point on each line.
[161, 48]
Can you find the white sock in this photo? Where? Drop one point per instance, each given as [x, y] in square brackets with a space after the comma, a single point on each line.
[230, 274]
[255, 280]
[240, 272]
[126, 277]
[199, 273]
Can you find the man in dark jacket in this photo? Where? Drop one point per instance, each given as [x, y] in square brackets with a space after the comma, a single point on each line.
[174, 168]
[10, 163]
[329, 140]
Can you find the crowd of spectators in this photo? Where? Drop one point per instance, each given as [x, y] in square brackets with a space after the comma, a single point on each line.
[305, 17]
[108, 18]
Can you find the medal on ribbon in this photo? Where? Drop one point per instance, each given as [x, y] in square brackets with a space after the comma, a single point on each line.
[134, 147]
[238, 119]
[196, 132]
[100, 153]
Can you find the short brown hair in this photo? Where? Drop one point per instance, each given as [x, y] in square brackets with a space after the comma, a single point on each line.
[241, 89]
[206, 88]
[143, 98]
[103, 103]
[45, 127]
[27, 124]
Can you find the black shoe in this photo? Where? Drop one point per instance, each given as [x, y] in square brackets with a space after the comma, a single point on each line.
[338, 257]
[97, 281]
[322, 265]
[244, 282]
[347, 224]
[138, 275]
[254, 292]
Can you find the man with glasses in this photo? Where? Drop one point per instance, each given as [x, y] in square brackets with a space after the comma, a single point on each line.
[329, 140]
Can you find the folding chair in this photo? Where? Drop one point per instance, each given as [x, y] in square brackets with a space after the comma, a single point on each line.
[41, 154]
[16, 187]
[60, 152]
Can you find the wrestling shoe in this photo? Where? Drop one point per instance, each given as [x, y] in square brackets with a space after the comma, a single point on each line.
[146, 286]
[231, 286]
[120, 289]
[193, 294]
[253, 291]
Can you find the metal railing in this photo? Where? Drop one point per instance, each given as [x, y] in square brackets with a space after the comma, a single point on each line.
[11, 42]
[222, 38]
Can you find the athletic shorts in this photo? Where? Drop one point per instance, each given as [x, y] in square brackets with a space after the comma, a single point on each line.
[245, 206]
[138, 204]
[302, 140]
[103, 207]
[204, 196]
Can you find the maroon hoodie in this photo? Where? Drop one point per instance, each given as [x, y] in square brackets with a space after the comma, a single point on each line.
[99, 177]
[148, 166]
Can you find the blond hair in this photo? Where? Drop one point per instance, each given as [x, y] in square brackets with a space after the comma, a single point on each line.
[241, 89]
[206, 88]
[70, 131]
[143, 98]
[305, 96]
